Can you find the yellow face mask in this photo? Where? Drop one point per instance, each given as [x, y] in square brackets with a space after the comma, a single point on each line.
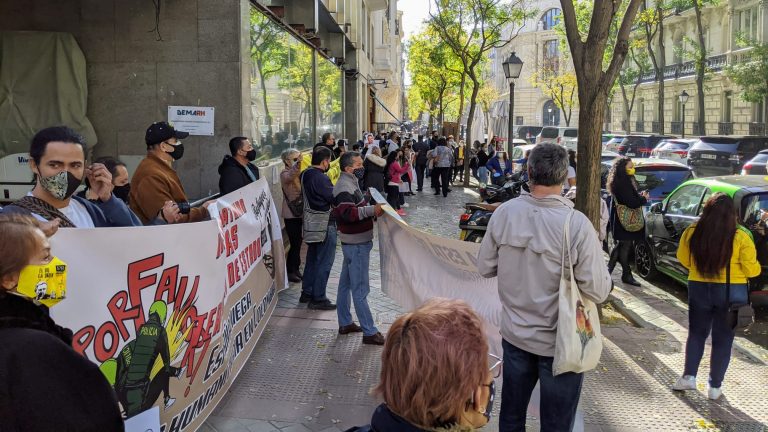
[631, 171]
[46, 283]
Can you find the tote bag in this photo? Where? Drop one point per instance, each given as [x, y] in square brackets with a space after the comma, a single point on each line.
[314, 223]
[579, 341]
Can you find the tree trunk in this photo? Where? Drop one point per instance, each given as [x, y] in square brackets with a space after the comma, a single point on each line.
[461, 105]
[701, 64]
[470, 119]
[589, 149]
[267, 115]
[627, 108]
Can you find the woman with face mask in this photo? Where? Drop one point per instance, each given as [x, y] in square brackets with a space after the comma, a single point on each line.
[120, 181]
[293, 210]
[436, 373]
[41, 368]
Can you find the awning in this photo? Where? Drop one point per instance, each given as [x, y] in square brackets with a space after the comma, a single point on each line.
[399, 122]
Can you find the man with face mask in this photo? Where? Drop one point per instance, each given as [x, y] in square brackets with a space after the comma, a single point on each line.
[155, 182]
[57, 159]
[237, 170]
[354, 218]
[317, 193]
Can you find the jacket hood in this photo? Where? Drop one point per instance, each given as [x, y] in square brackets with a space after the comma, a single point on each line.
[380, 161]
[228, 162]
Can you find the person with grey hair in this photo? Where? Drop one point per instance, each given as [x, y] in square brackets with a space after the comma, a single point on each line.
[523, 246]
[293, 210]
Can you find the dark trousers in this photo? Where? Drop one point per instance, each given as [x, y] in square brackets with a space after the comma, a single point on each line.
[293, 229]
[458, 170]
[317, 269]
[393, 196]
[559, 394]
[420, 176]
[620, 253]
[444, 175]
[435, 179]
[707, 310]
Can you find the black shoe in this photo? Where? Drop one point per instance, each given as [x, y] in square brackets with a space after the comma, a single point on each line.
[293, 277]
[376, 339]
[630, 280]
[450, 190]
[419, 190]
[352, 328]
[436, 193]
[321, 305]
[305, 298]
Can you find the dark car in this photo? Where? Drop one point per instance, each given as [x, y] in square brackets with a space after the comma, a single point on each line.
[658, 176]
[639, 145]
[527, 133]
[667, 220]
[756, 165]
[723, 155]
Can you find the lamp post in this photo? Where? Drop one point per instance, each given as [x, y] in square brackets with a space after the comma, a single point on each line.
[683, 99]
[512, 68]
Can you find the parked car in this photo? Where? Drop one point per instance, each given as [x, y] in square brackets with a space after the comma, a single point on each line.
[658, 176]
[756, 165]
[723, 155]
[639, 145]
[673, 149]
[565, 136]
[667, 220]
[527, 133]
[613, 143]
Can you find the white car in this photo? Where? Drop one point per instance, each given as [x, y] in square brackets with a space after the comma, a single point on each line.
[565, 136]
[673, 149]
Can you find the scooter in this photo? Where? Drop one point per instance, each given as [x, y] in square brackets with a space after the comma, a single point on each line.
[474, 221]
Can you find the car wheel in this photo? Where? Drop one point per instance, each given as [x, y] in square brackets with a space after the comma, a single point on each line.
[475, 237]
[644, 262]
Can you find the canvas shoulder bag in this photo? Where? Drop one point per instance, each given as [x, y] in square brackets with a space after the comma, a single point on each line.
[314, 225]
[740, 315]
[579, 341]
[631, 219]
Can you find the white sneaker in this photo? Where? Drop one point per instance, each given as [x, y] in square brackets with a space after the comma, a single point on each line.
[404, 205]
[685, 382]
[715, 393]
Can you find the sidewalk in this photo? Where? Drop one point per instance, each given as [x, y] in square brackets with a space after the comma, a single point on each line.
[303, 376]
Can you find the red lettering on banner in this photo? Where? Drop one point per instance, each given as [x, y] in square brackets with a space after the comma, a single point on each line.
[136, 283]
[118, 309]
[101, 352]
[82, 339]
[168, 284]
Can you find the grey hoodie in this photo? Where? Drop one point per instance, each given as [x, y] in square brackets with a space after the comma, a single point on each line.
[523, 247]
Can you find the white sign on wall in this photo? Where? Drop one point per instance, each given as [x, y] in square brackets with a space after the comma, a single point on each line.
[190, 119]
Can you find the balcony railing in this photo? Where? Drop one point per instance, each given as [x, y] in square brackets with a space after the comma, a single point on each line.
[725, 128]
[640, 126]
[757, 129]
[696, 129]
[655, 127]
[677, 127]
[679, 70]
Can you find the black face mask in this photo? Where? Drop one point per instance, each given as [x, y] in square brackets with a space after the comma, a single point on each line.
[251, 155]
[122, 192]
[178, 151]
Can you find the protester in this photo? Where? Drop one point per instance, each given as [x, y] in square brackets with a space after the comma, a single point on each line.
[341, 147]
[395, 168]
[443, 162]
[293, 210]
[317, 191]
[328, 141]
[473, 159]
[58, 163]
[482, 161]
[499, 167]
[392, 142]
[523, 246]
[237, 170]
[369, 143]
[717, 253]
[458, 165]
[406, 187]
[434, 140]
[120, 181]
[421, 148]
[375, 167]
[622, 186]
[155, 182]
[435, 372]
[570, 180]
[354, 218]
[40, 368]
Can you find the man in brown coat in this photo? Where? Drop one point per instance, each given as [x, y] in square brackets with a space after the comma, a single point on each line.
[155, 181]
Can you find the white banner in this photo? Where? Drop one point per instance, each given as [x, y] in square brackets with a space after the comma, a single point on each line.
[171, 313]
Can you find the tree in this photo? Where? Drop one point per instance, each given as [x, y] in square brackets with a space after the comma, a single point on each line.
[471, 28]
[297, 76]
[751, 75]
[651, 22]
[589, 55]
[485, 97]
[560, 86]
[700, 61]
[631, 77]
[269, 54]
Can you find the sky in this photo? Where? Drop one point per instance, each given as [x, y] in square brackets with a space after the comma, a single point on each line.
[414, 13]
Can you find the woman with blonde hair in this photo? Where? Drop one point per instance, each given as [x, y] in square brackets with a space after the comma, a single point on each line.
[435, 373]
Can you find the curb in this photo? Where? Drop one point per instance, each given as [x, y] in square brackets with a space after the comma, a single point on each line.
[754, 352]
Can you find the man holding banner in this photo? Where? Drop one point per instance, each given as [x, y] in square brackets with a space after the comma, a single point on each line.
[354, 218]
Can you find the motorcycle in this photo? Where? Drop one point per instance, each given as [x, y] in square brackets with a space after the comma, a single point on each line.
[474, 221]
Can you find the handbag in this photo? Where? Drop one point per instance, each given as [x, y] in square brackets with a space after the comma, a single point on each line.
[314, 224]
[740, 315]
[579, 341]
[296, 206]
[631, 219]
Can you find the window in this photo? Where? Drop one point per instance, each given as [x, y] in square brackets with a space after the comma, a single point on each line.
[550, 19]
[727, 106]
[551, 56]
[745, 24]
[758, 112]
[550, 113]
[641, 111]
[686, 201]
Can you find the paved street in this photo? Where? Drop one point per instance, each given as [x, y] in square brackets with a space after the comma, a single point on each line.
[303, 376]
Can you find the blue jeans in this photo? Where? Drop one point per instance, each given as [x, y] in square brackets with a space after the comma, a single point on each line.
[559, 394]
[354, 281]
[707, 310]
[317, 270]
[482, 174]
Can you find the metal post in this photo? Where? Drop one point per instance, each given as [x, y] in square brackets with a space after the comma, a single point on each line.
[683, 129]
[511, 113]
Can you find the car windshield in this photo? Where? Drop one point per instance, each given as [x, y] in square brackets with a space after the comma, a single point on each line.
[549, 133]
[660, 181]
[668, 145]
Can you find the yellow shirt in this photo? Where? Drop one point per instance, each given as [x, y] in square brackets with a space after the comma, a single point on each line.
[744, 262]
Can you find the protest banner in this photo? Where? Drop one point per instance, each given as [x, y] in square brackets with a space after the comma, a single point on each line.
[171, 313]
[416, 266]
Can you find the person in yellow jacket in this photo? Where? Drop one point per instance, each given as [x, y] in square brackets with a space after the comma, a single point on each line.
[706, 248]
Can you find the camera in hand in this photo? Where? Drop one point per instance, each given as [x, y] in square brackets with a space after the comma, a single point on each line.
[183, 207]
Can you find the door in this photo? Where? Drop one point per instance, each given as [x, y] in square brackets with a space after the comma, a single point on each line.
[681, 209]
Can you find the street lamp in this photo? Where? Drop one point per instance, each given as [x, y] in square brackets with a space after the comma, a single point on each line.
[683, 99]
[512, 68]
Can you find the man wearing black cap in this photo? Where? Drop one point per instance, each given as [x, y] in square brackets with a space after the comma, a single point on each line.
[155, 181]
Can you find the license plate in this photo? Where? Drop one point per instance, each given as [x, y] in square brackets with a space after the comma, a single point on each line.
[630, 154]
[708, 156]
